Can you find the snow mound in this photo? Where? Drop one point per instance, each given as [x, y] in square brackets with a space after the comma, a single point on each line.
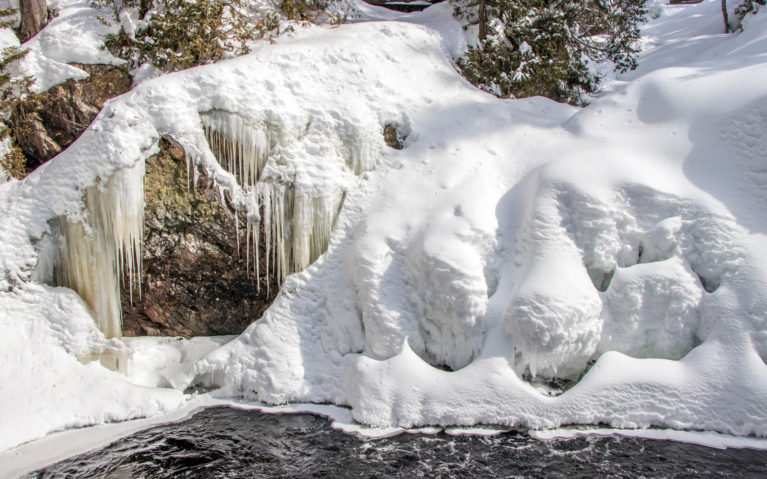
[448, 295]
[656, 301]
[44, 387]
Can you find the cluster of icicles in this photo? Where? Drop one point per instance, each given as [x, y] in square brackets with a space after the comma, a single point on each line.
[98, 255]
[95, 257]
[295, 224]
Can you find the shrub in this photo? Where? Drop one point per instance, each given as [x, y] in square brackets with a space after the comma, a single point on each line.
[12, 91]
[545, 47]
[184, 33]
[180, 34]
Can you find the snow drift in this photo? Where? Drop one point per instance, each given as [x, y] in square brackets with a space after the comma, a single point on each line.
[523, 239]
[616, 246]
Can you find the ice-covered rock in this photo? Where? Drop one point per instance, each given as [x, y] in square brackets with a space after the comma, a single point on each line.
[448, 294]
[652, 310]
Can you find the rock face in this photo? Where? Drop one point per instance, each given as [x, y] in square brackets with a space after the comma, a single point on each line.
[194, 281]
[46, 123]
[392, 137]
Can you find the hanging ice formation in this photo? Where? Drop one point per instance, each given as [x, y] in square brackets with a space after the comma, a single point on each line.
[240, 148]
[99, 253]
[296, 227]
[295, 224]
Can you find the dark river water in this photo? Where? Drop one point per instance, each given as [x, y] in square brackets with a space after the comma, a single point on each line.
[230, 443]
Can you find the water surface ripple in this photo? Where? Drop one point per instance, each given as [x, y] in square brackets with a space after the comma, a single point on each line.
[229, 443]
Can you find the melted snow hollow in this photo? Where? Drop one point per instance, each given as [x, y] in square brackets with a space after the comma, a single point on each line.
[508, 240]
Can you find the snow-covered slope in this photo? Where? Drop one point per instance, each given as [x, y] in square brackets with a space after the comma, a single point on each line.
[517, 238]
[75, 34]
[508, 239]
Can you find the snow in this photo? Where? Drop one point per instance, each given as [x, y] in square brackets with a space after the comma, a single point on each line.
[494, 272]
[161, 361]
[619, 245]
[74, 35]
[701, 438]
[658, 301]
[43, 386]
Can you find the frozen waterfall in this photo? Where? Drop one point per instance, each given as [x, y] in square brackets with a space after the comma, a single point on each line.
[290, 230]
[97, 254]
[294, 222]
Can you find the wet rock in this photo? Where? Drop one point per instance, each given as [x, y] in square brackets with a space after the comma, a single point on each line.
[194, 280]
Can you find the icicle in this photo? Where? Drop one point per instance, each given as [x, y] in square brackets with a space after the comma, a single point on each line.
[360, 158]
[295, 225]
[255, 229]
[241, 148]
[267, 222]
[95, 256]
[237, 234]
[312, 222]
[251, 236]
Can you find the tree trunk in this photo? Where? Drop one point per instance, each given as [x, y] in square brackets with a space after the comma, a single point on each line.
[34, 16]
[143, 8]
[725, 17]
[482, 20]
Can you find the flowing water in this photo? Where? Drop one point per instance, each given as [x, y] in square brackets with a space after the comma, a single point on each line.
[230, 443]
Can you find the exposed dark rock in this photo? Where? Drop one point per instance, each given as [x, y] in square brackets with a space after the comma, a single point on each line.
[194, 281]
[392, 137]
[46, 123]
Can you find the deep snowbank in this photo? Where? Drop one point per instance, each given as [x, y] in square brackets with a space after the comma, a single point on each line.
[508, 238]
[527, 241]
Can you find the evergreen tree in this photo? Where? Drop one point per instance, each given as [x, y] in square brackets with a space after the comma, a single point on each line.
[12, 91]
[745, 8]
[34, 16]
[725, 17]
[184, 33]
[544, 47]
